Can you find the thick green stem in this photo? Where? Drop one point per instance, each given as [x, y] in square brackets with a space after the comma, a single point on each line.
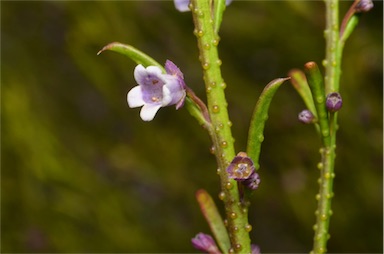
[326, 166]
[223, 143]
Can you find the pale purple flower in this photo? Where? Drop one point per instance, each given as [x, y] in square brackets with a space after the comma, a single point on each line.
[155, 90]
[205, 243]
[182, 5]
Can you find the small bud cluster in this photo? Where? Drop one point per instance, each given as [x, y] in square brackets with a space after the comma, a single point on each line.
[333, 103]
[242, 170]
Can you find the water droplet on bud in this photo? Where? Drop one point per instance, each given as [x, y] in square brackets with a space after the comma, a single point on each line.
[215, 109]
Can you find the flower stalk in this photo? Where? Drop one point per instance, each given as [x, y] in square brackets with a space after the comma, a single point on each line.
[208, 40]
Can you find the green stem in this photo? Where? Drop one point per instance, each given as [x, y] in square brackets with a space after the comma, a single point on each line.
[332, 62]
[223, 143]
[332, 80]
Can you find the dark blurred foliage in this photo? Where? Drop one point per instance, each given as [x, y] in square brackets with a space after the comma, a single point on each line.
[81, 172]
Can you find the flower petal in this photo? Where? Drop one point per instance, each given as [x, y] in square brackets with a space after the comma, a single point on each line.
[172, 69]
[144, 76]
[135, 97]
[167, 96]
[176, 90]
[182, 5]
[148, 111]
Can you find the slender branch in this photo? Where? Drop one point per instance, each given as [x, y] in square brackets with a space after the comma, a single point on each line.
[236, 214]
[332, 65]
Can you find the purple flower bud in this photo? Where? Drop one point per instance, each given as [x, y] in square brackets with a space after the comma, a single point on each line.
[306, 116]
[334, 102]
[255, 249]
[205, 243]
[183, 5]
[155, 90]
[241, 167]
[364, 6]
[252, 182]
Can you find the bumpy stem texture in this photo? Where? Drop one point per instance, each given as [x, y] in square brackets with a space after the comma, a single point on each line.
[326, 166]
[223, 143]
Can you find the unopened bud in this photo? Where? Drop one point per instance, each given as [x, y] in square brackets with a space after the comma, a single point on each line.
[255, 249]
[205, 243]
[334, 102]
[252, 182]
[364, 6]
[306, 116]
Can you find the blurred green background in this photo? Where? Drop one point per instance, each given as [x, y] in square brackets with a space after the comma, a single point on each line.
[81, 172]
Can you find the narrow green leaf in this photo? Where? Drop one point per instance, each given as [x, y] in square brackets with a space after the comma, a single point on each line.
[315, 81]
[300, 83]
[136, 55]
[215, 222]
[218, 11]
[352, 23]
[260, 116]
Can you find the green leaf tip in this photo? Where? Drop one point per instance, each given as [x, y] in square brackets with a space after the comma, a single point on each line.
[215, 222]
[259, 118]
[316, 84]
[136, 55]
[299, 82]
